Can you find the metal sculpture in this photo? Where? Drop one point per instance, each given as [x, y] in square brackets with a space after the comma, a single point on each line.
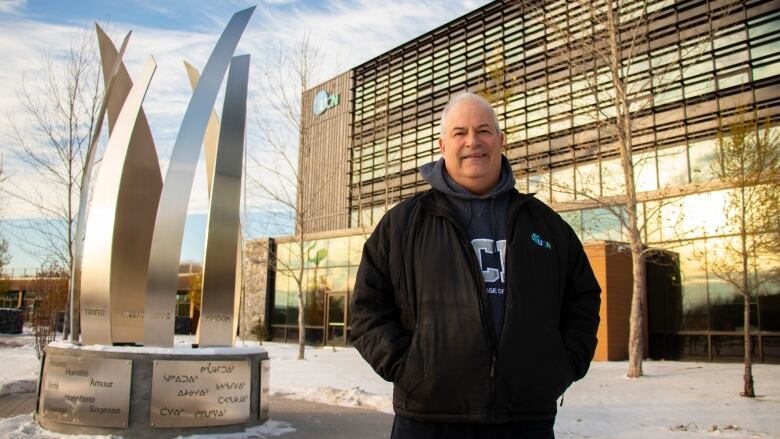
[222, 232]
[74, 289]
[112, 196]
[159, 310]
[210, 149]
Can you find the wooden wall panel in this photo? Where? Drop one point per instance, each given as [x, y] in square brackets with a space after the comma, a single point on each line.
[324, 157]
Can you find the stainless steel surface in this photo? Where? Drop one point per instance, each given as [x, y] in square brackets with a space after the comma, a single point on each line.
[210, 140]
[265, 390]
[210, 150]
[110, 69]
[222, 230]
[200, 393]
[139, 194]
[160, 301]
[109, 218]
[211, 137]
[86, 391]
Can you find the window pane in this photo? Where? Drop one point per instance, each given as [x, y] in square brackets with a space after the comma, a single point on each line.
[703, 214]
[693, 304]
[672, 166]
[539, 183]
[587, 178]
[702, 155]
[574, 219]
[645, 171]
[602, 225]
[337, 279]
[612, 181]
[355, 249]
[337, 252]
[562, 185]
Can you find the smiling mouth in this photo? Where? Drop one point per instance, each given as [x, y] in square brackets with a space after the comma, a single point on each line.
[474, 156]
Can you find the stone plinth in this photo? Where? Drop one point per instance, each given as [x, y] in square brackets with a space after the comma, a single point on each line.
[95, 378]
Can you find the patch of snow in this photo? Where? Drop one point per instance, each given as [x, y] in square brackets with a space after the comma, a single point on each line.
[20, 366]
[687, 400]
[354, 397]
[270, 428]
[178, 349]
[24, 426]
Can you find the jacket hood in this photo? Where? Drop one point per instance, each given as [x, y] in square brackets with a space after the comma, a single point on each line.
[436, 175]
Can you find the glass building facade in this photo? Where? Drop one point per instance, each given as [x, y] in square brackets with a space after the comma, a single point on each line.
[327, 273]
[696, 63]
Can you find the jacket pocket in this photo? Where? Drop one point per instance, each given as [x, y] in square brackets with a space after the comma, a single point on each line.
[565, 373]
[413, 373]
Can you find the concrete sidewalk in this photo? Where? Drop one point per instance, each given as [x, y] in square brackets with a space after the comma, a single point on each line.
[310, 420]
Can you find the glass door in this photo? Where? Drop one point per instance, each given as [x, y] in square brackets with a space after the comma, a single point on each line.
[336, 319]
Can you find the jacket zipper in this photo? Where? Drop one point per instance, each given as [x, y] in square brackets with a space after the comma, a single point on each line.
[485, 327]
[476, 270]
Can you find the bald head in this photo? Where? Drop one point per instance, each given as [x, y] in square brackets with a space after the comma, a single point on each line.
[471, 143]
[479, 100]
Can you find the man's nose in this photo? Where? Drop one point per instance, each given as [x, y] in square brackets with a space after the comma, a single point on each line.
[471, 138]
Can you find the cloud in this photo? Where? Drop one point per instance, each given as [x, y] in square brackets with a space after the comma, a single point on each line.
[347, 32]
[12, 6]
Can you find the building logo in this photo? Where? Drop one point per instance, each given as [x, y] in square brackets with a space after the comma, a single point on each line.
[323, 101]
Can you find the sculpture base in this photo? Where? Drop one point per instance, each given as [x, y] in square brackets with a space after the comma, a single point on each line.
[152, 392]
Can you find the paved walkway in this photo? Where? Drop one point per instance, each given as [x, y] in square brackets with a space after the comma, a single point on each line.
[16, 404]
[310, 420]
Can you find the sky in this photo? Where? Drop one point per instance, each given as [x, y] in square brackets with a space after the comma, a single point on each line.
[346, 32]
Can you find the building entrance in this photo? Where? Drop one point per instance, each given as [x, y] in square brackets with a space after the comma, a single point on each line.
[335, 320]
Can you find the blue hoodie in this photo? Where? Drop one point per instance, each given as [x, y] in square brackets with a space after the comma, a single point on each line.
[484, 220]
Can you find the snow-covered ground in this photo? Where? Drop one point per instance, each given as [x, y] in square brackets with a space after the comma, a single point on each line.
[673, 400]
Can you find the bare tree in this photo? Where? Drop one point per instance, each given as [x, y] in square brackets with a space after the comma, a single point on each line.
[60, 110]
[51, 286]
[281, 156]
[748, 159]
[5, 258]
[605, 49]
[5, 254]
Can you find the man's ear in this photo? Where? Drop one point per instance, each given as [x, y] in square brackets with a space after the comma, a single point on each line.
[441, 145]
[502, 139]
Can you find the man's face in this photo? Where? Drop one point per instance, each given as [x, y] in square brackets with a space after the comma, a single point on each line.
[471, 147]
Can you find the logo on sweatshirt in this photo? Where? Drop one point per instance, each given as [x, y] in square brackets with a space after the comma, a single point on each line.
[540, 242]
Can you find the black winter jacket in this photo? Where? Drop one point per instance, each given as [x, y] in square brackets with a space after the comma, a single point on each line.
[419, 316]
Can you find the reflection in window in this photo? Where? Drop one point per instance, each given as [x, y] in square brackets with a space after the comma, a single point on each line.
[699, 88]
[668, 95]
[292, 306]
[562, 185]
[603, 224]
[587, 180]
[337, 279]
[355, 249]
[732, 80]
[693, 304]
[709, 212]
[672, 166]
[612, 181]
[538, 183]
[574, 219]
[702, 158]
[644, 171]
[767, 68]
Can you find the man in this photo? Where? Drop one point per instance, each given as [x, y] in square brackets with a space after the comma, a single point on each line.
[476, 301]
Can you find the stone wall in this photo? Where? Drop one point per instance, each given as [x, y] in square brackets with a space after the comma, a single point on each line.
[255, 281]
